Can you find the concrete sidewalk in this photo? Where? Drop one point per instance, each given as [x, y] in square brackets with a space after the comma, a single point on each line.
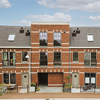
[57, 99]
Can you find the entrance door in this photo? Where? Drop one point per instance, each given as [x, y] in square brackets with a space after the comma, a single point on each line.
[90, 79]
[43, 78]
[75, 80]
[25, 80]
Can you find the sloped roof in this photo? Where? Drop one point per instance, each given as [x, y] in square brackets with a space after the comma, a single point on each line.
[80, 40]
[20, 38]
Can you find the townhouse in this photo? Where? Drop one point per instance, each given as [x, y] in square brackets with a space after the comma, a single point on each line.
[46, 53]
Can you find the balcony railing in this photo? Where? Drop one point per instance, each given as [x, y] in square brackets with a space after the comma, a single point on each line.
[43, 62]
[57, 62]
[9, 62]
[90, 62]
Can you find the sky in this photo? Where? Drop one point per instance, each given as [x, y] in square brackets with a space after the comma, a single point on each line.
[77, 12]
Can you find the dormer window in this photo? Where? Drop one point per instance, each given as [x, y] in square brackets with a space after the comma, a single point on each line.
[11, 37]
[90, 38]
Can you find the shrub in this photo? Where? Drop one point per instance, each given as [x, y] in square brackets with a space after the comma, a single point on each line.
[37, 89]
[1, 93]
[33, 84]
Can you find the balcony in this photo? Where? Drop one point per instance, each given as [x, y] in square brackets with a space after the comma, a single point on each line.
[90, 62]
[57, 62]
[8, 62]
[43, 62]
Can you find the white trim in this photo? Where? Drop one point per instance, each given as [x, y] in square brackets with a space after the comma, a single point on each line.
[1, 73]
[84, 47]
[33, 72]
[34, 43]
[18, 73]
[67, 72]
[64, 43]
[14, 47]
[50, 23]
[50, 62]
[50, 43]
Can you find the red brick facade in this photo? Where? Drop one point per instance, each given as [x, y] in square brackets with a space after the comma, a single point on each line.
[56, 74]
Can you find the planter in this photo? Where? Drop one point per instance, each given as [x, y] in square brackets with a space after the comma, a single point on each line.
[32, 89]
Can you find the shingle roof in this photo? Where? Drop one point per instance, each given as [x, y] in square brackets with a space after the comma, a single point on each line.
[80, 40]
[20, 38]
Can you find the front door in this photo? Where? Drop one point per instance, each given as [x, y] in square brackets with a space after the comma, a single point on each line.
[75, 79]
[25, 80]
[90, 79]
[43, 78]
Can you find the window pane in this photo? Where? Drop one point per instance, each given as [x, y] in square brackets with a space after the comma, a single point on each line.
[6, 78]
[43, 39]
[90, 37]
[75, 56]
[57, 58]
[23, 56]
[43, 58]
[5, 59]
[87, 59]
[57, 39]
[93, 59]
[13, 78]
[12, 58]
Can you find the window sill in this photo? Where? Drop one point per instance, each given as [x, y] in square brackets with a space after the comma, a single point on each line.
[9, 66]
[75, 62]
[90, 66]
[43, 66]
[57, 46]
[56, 65]
[43, 46]
[24, 62]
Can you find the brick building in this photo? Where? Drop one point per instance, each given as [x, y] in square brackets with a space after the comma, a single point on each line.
[46, 53]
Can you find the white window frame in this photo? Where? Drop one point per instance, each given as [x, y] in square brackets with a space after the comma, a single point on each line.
[90, 38]
[11, 37]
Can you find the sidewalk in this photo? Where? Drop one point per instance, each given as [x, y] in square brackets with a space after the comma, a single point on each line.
[49, 95]
[59, 99]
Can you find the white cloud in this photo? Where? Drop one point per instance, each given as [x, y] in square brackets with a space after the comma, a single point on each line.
[5, 4]
[66, 5]
[56, 17]
[95, 18]
[22, 22]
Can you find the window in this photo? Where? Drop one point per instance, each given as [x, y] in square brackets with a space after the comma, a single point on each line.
[11, 37]
[57, 58]
[43, 58]
[90, 79]
[90, 59]
[9, 59]
[24, 54]
[43, 39]
[90, 38]
[75, 56]
[9, 78]
[57, 39]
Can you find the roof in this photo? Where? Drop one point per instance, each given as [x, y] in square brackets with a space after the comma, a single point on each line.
[80, 40]
[20, 39]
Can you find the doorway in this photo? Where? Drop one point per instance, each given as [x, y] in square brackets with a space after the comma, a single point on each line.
[75, 80]
[25, 80]
[43, 79]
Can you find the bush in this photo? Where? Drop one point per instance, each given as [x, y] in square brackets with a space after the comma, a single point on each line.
[37, 89]
[68, 85]
[33, 84]
[1, 93]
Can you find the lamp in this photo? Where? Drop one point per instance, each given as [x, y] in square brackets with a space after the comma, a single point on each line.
[29, 69]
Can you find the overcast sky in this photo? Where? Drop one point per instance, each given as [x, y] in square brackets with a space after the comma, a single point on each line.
[77, 12]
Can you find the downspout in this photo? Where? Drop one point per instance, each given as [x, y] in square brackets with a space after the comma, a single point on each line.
[30, 66]
[69, 65]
